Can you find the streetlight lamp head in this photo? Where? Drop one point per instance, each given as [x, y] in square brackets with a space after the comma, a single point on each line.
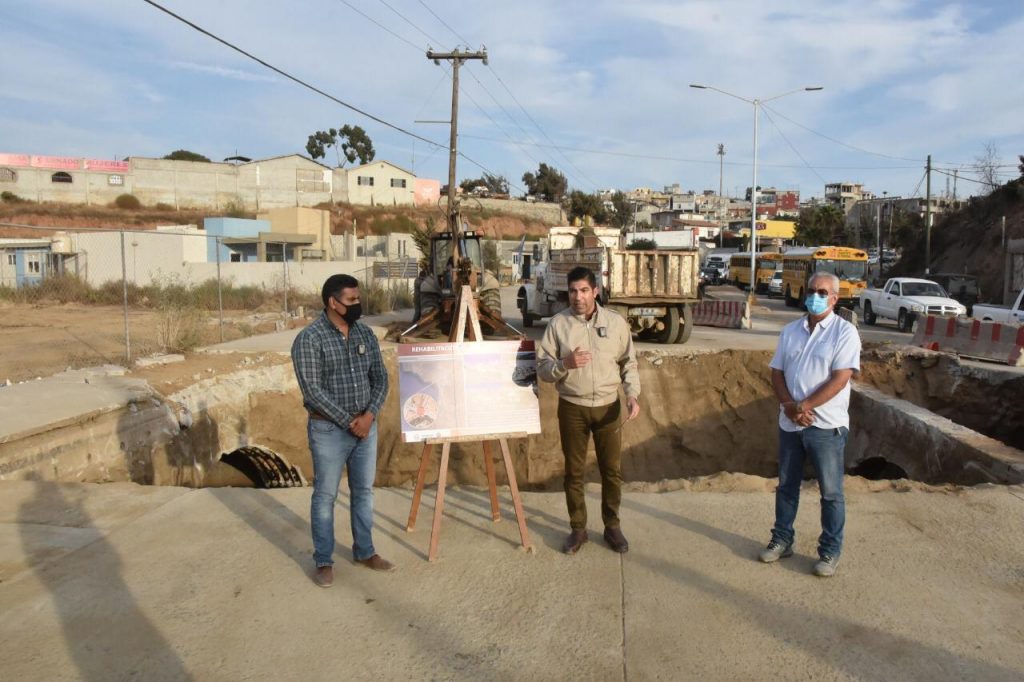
[816, 87]
[699, 87]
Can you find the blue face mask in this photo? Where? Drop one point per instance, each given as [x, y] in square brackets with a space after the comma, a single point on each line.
[816, 304]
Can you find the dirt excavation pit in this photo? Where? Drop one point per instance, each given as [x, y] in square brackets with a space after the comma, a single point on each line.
[709, 420]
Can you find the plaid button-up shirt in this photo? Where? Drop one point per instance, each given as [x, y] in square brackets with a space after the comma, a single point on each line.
[340, 377]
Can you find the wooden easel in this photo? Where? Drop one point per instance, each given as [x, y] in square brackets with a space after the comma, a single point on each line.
[467, 315]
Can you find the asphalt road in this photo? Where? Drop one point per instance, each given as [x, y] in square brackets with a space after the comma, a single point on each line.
[770, 315]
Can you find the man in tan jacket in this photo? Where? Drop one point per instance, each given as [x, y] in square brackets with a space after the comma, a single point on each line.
[587, 352]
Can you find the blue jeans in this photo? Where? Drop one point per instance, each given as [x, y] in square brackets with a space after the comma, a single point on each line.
[334, 449]
[825, 447]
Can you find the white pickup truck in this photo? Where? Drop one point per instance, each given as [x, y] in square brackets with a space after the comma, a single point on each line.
[1000, 313]
[904, 298]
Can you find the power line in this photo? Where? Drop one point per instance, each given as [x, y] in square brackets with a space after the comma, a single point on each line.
[779, 130]
[309, 86]
[290, 77]
[518, 103]
[655, 157]
[403, 18]
[377, 23]
[960, 176]
[444, 23]
[916, 189]
[834, 140]
[447, 71]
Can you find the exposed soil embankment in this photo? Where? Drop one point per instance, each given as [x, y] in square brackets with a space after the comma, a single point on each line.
[709, 418]
[985, 400]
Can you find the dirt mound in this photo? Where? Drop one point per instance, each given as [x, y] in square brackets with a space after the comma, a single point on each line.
[61, 216]
[969, 240]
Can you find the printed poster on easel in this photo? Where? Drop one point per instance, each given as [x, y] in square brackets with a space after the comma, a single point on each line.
[450, 390]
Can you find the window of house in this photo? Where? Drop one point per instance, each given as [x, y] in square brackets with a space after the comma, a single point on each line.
[398, 182]
[8, 175]
[236, 258]
[365, 180]
[33, 263]
[115, 179]
[60, 176]
[12, 259]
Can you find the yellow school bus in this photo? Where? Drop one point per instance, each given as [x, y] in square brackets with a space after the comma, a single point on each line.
[767, 262]
[848, 264]
[739, 269]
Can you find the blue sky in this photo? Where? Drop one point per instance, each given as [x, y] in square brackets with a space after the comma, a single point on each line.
[598, 89]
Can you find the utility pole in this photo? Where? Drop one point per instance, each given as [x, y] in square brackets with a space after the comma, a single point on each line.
[721, 199]
[956, 171]
[928, 217]
[457, 58]
[878, 236]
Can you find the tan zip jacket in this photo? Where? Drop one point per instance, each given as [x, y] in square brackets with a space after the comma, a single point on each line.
[613, 360]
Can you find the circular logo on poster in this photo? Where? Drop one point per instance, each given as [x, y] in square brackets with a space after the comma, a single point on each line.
[420, 410]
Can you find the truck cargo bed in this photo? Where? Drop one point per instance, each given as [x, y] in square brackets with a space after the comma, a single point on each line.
[632, 276]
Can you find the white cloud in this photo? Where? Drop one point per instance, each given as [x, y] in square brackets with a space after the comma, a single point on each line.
[224, 72]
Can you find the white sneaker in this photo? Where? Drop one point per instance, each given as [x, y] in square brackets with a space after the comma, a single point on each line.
[826, 566]
[775, 551]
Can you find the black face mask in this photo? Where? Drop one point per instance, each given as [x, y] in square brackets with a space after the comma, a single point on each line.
[352, 313]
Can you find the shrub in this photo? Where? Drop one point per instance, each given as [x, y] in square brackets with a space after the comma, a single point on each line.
[11, 198]
[235, 209]
[161, 206]
[642, 244]
[129, 202]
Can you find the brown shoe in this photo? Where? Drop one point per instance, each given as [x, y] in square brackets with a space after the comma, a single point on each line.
[377, 563]
[577, 538]
[324, 576]
[616, 540]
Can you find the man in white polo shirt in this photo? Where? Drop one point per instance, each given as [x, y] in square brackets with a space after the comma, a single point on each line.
[816, 357]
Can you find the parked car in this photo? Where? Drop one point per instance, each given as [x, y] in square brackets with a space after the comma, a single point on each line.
[711, 275]
[904, 298]
[775, 284]
[961, 287]
[1013, 314]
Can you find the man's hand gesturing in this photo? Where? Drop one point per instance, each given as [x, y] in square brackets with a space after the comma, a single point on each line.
[577, 359]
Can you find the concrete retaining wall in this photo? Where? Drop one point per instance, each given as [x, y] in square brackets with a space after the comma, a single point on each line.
[928, 447]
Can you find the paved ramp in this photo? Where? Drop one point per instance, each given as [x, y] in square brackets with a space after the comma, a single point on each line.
[104, 582]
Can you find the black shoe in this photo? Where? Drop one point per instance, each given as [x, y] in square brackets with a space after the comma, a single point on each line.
[577, 538]
[616, 540]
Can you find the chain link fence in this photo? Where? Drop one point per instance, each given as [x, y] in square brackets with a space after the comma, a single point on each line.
[74, 297]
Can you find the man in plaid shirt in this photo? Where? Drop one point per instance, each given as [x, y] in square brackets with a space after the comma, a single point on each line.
[341, 373]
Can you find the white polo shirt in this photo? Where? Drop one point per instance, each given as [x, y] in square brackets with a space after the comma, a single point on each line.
[807, 359]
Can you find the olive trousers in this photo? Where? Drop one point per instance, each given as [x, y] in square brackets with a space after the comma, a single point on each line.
[576, 424]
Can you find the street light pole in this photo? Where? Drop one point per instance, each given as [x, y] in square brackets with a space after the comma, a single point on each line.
[756, 102]
[753, 209]
[721, 206]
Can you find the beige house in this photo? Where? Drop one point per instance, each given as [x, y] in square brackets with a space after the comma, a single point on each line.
[380, 183]
[300, 220]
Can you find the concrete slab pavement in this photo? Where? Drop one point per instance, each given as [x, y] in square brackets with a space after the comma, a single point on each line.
[212, 584]
[66, 398]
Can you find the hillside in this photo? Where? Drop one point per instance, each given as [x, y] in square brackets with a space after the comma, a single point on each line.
[369, 220]
[970, 239]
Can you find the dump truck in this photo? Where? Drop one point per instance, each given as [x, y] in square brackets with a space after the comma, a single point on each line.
[652, 289]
